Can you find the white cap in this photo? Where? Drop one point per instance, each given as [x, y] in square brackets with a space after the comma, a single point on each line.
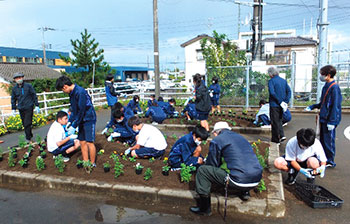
[221, 125]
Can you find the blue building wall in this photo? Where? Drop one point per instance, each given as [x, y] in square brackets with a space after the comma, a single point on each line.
[30, 53]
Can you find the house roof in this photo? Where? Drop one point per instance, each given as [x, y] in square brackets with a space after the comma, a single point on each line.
[30, 71]
[291, 41]
[199, 37]
[30, 53]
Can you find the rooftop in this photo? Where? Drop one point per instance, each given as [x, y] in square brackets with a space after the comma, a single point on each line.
[291, 41]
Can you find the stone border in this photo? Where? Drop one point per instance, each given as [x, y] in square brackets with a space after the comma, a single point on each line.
[272, 206]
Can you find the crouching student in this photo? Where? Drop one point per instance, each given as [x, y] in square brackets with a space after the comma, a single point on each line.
[262, 118]
[231, 161]
[156, 113]
[170, 108]
[150, 142]
[134, 105]
[187, 149]
[122, 132]
[112, 123]
[190, 111]
[57, 142]
[302, 152]
[152, 100]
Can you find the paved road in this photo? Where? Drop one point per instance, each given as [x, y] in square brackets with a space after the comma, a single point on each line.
[17, 206]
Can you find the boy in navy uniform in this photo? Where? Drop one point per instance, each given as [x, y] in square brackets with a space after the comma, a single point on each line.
[156, 113]
[170, 109]
[134, 105]
[152, 100]
[214, 92]
[122, 132]
[330, 111]
[190, 111]
[83, 117]
[110, 92]
[187, 149]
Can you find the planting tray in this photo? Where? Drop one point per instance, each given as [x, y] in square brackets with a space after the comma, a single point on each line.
[317, 196]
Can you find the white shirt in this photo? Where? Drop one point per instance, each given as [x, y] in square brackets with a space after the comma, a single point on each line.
[56, 133]
[151, 137]
[294, 152]
[264, 110]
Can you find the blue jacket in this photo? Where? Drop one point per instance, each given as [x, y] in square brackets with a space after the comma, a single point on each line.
[110, 93]
[124, 129]
[133, 106]
[279, 91]
[82, 109]
[25, 96]
[182, 152]
[191, 109]
[239, 156]
[286, 116]
[215, 89]
[156, 113]
[168, 109]
[330, 112]
[162, 104]
[150, 102]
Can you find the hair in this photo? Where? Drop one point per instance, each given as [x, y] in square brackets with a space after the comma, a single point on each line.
[262, 102]
[160, 98]
[197, 79]
[200, 132]
[153, 96]
[155, 104]
[117, 106]
[328, 69]
[215, 79]
[109, 77]
[272, 71]
[118, 114]
[172, 100]
[306, 137]
[136, 97]
[61, 114]
[190, 101]
[134, 120]
[61, 81]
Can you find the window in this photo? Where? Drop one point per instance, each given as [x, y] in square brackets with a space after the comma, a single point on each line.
[29, 60]
[199, 55]
[282, 56]
[13, 59]
[50, 61]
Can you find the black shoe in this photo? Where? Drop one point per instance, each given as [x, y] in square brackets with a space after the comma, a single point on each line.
[292, 177]
[310, 180]
[203, 206]
[283, 139]
[244, 195]
[331, 165]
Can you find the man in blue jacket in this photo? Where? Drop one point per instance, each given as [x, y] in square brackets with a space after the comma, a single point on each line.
[25, 95]
[110, 92]
[187, 149]
[156, 113]
[122, 132]
[83, 117]
[279, 96]
[330, 111]
[231, 160]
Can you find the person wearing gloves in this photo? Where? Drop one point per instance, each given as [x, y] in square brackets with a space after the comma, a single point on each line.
[150, 142]
[112, 123]
[169, 108]
[330, 111]
[190, 110]
[57, 141]
[134, 105]
[83, 117]
[24, 98]
[232, 162]
[122, 132]
[279, 96]
[157, 114]
[304, 153]
[214, 92]
[187, 149]
[111, 93]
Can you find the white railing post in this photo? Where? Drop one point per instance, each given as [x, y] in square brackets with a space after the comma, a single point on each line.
[45, 104]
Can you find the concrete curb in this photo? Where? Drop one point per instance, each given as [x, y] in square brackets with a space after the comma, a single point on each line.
[272, 206]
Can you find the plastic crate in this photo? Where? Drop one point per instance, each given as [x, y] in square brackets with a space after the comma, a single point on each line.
[317, 196]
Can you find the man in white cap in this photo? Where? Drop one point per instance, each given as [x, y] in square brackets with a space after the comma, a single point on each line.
[24, 98]
[232, 161]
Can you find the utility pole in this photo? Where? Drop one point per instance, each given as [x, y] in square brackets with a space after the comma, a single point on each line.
[156, 48]
[239, 20]
[322, 47]
[43, 29]
[257, 30]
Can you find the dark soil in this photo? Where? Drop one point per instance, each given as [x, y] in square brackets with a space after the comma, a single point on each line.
[158, 179]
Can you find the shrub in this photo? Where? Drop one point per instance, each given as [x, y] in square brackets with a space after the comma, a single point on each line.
[40, 163]
[59, 163]
[148, 174]
[118, 169]
[185, 173]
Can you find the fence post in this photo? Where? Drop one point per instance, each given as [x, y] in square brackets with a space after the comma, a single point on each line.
[247, 88]
[45, 104]
[292, 79]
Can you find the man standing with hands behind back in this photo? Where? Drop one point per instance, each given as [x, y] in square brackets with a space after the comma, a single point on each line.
[24, 98]
[279, 96]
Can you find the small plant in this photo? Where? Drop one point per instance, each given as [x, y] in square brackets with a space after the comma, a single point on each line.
[114, 157]
[185, 173]
[148, 174]
[151, 160]
[40, 163]
[22, 141]
[106, 166]
[261, 187]
[43, 154]
[23, 163]
[13, 152]
[267, 153]
[79, 163]
[138, 168]
[204, 142]
[87, 166]
[59, 163]
[132, 159]
[166, 168]
[127, 145]
[174, 136]
[11, 161]
[124, 157]
[118, 169]
[38, 139]
[165, 160]
[101, 152]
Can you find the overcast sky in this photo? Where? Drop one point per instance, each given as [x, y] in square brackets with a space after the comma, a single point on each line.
[124, 27]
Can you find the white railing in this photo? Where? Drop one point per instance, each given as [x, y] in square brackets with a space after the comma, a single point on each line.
[98, 98]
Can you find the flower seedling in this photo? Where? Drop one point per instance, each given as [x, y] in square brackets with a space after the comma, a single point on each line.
[87, 166]
[118, 169]
[79, 163]
[11, 160]
[174, 136]
[114, 157]
[59, 163]
[165, 160]
[106, 166]
[43, 154]
[261, 187]
[23, 163]
[148, 174]
[138, 166]
[38, 139]
[185, 173]
[151, 160]
[132, 159]
[21, 141]
[165, 170]
[40, 163]
[101, 152]
[124, 157]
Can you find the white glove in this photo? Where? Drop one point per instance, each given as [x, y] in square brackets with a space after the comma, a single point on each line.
[347, 133]
[307, 109]
[305, 172]
[139, 112]
[68, 124]
[284, 106]
[110, 138]
[73, 136]
[13, 112]
[104, 131]
[127, 151]
[115, 134]
[71, 130]
[211, 94]
[321, 170]
[37, 110]
[330, 127]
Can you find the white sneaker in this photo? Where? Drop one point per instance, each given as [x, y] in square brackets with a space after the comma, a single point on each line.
[65, 159]
[154, 123]
[285, 124]
[266, 126]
